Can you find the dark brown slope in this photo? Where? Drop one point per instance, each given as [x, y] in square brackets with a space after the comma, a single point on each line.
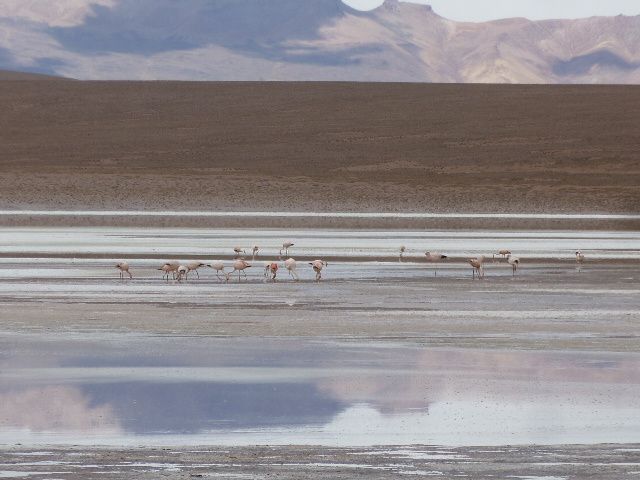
[305, 146]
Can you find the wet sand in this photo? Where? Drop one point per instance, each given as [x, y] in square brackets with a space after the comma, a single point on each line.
[606, 462]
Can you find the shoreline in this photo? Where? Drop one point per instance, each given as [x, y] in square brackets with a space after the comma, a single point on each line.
[325, 220]
[608, 461]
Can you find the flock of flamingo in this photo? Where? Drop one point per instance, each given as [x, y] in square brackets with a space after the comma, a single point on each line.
[180, 272]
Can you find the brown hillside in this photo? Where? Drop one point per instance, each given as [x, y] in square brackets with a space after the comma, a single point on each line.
[320, 146]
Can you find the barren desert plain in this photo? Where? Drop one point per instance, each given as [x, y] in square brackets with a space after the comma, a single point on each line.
[387, 367]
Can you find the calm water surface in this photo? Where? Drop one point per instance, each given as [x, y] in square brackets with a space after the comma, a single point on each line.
[138, 390]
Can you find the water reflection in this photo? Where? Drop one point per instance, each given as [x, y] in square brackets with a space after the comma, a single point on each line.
[148, 390]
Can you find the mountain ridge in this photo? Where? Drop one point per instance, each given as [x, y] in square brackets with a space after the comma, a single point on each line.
[325, 40]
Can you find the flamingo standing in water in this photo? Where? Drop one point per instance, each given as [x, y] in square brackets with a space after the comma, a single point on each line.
[123, 267]
[291, 265]
[218, 266]
[254, 252]
[435, 258]
[286, 246]
[183, 271]
[193, 267]
[402, 250]
[166, 269]
[317, 267]
[239, 266]
[514, 262]
[477, 264]
[169, 267]
[503, 253]
[579, 259]
[271, 268]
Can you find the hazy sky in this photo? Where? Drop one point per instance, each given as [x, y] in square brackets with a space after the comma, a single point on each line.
[479, 10]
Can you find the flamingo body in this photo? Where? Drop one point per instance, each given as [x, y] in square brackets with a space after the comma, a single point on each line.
[123, 267]
[291, 265]
[317, 266]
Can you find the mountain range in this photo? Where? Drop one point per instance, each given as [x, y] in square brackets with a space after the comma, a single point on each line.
[295, 40]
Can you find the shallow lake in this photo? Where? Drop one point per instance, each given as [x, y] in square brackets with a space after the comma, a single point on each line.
[129, 390]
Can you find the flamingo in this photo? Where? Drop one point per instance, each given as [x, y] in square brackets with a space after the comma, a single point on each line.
[167, 268]
[477, 264]
[286, 246]
[238, 251]
[173, 267]
[291, 265]
[124, 268]
[402, 250]
[193, 267]
[579, 259]
[255, 252]
[503, 253]
[435, 258]
[514, 262]
[239, 266]
[317, 267]
[183, 271]
[218, 266]
[271, 268]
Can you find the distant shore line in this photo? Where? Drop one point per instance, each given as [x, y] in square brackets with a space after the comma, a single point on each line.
[258, 214]
[325, 220]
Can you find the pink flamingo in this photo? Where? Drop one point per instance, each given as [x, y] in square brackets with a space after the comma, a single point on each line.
[317, 267]
[239, 266]
[124, 268]
[435, 258]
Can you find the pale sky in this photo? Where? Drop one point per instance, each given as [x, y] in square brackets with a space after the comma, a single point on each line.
[481, 10]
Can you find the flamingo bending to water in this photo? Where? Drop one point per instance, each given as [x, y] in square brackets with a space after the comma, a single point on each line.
[218, 266]
[124, 268]
[291, 265]
[183, 271]
[271, 268]
[478, 266]
[514, 262]
[317, 267]
[169, 268]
